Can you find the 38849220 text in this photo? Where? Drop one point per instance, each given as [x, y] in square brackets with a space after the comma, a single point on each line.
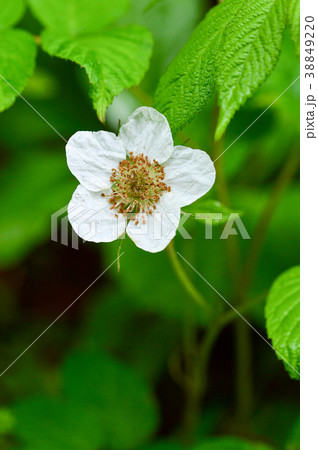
[309, 65]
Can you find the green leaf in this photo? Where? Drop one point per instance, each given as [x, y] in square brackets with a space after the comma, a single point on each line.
[219, 54]
[230, 443]
[188, 81]
[246, 59]
[10, 12]
[75, 17]
[283, 319]
[293, 19]
[17, 61]
[207, 208]
[114, 60]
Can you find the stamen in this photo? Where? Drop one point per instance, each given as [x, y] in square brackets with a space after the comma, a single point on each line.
[137, 185]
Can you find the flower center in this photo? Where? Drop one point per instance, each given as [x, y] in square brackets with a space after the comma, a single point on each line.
[137, 185]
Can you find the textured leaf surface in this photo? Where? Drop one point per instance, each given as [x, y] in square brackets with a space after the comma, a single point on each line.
[189, 80]
[10, 12]
[293, 18]
[250, 50]
[114, 60]
[105, 405]
[75, 17]
[17, 61]
[234, 49]
[283, 318]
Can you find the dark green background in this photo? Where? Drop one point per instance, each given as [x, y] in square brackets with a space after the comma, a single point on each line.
[129, 326]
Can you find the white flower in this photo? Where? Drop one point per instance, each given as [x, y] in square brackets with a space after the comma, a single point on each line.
[137, 181]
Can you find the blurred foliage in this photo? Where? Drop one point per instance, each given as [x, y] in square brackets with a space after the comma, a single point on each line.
[107, 374]
[23, 180]
[104, 403]
[230, 444]
[7, 421]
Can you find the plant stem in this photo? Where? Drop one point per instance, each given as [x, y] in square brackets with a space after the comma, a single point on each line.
[259, 234]
[118, 255]
[244, 374]
[232, 246]
[244, 378]
[244, 381]
[141, 95]
[196, 383]
[197, 380]
[182, 276]
[192, 411]
[231, 315]
[194, 379]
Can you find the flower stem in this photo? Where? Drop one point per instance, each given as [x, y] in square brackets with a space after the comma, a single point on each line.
[118, 255]
[182, 276]
[244, 374]
[196, 383]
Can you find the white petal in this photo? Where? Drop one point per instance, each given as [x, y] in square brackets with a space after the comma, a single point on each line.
[92, 155]
[91, 217]
[154, 231]
[190, 174]
[148, 132]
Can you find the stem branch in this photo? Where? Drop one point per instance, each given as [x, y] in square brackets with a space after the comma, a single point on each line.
[259, 234]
